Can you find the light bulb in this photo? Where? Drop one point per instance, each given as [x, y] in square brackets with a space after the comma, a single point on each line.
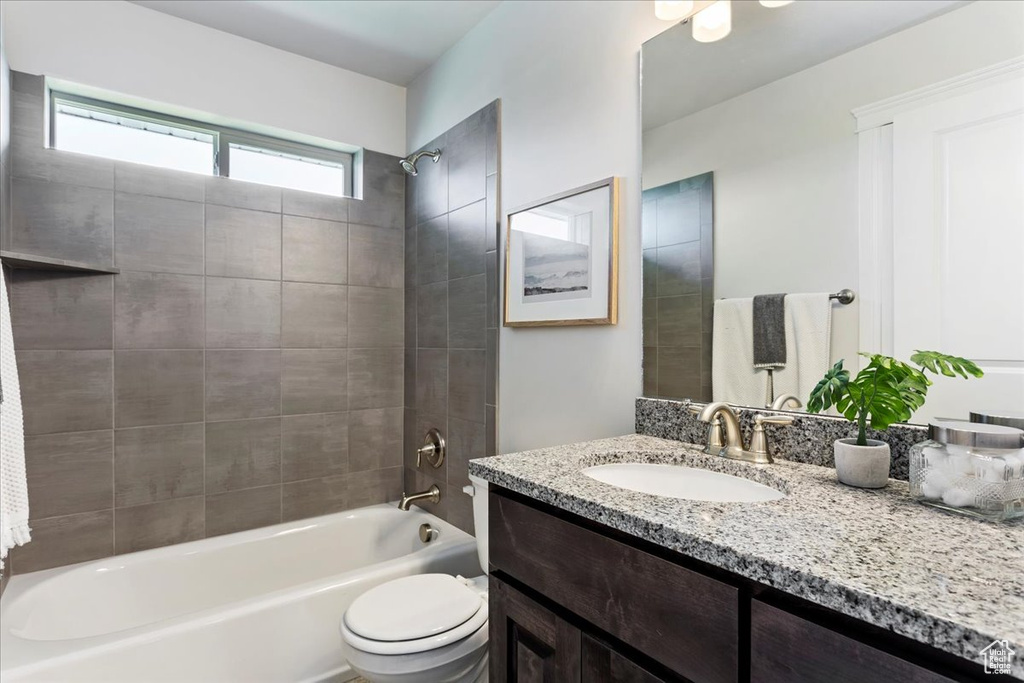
[714, 22]
[672, 10]
[775, 3]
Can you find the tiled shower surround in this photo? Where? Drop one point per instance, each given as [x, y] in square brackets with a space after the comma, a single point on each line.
[451, 308]
[245, 367]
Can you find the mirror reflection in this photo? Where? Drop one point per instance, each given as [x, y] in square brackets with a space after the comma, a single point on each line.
[807, 195]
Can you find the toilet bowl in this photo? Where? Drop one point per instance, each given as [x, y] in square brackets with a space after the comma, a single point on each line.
[426, 628]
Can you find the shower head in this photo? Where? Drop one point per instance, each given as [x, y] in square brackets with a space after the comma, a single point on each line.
[409, 163]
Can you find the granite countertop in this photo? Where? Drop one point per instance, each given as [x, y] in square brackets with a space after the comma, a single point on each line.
[949, 581]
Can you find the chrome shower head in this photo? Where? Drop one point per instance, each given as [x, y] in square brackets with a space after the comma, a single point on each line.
[409, 163]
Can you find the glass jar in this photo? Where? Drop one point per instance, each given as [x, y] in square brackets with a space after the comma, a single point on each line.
[973, 469]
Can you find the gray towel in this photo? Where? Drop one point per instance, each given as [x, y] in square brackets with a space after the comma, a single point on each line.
[770, 331]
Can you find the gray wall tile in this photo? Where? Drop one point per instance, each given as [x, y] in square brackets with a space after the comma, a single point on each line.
[679, 320]
[314, 381]
[153, 387]
[679, 371]
[158, 182]
[376, 317]
[314, 497]
[158, 524]
[492, 120]
[157, 463]
[314, 446]
[65, 540]
[243, 454]
[231, 192]
[227, 513]
[432, 250]
[157, 234]
[314, 316]
[242, 384]
[432, 381]
[70, 472]
[410, 376]
[312, 205]
[242, 313]
[52, 310]
[243, 243]
[467, 384]
[466, 315]
[158, 310]
[466, 240]
[432, 315]
[467, 162]
[375, 256]
[62, 221]
[678, 218]
[66, 391]
[491, 397]
[679, 269]
[374, 486]
[494, 303]
[493, 235]
[466, 440]
[375, 439]
[383, 203]
[410, 258]
[375, 378]
[315, 250]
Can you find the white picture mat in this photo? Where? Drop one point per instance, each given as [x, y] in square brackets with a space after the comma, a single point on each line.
[521, 309]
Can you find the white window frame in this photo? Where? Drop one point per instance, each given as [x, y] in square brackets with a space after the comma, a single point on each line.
[223, 137]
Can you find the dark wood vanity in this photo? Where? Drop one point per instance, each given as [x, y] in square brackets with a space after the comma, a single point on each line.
[572, 600]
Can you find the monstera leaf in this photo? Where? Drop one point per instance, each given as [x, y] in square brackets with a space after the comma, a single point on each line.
[942, 364]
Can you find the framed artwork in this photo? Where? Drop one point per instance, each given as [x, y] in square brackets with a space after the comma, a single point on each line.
[562, 261]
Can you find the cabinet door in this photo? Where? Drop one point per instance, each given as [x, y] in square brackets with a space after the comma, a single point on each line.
[602, 664]
[529, 643]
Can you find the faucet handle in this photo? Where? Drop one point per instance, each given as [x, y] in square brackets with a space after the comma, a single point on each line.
[759, 439]
[433, 447]
[715, 441]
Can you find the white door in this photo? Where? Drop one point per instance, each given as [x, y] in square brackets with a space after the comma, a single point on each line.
[958, 237]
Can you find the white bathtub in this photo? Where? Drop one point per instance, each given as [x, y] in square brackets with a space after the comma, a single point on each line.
[260, 605]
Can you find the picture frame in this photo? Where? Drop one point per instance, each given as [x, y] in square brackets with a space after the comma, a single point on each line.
[562, 259]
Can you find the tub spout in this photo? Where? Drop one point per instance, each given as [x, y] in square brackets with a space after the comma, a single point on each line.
[433, 494]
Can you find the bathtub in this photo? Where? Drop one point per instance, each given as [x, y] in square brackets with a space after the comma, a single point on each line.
[260, 605]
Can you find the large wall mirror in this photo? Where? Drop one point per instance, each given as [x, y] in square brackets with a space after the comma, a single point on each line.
[821, 146]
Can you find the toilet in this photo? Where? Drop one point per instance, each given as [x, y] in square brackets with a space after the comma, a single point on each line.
[425, 628]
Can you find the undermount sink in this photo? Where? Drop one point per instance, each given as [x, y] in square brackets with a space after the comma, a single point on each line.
[689, 483]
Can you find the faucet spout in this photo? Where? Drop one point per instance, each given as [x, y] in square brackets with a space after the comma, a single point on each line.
[433, 495]
[733, 436]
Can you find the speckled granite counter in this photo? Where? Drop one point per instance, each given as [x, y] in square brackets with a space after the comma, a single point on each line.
[949, 581]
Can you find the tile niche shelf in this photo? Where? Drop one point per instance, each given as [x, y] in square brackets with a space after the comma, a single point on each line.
[16, 259]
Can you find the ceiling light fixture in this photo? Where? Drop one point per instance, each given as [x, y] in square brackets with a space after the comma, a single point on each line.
[713, 22]
[775, 3]
[672, 10]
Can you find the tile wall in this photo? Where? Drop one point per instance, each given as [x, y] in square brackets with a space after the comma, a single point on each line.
[244, 368]
[451, 308]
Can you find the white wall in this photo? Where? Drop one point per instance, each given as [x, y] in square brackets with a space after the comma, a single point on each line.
[128, 49]
[567, 74]
[785, 155]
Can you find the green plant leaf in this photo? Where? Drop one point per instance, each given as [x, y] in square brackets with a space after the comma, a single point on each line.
[944, 364]
[830, 390]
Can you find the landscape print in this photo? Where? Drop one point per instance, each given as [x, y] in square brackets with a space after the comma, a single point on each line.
[555, 269]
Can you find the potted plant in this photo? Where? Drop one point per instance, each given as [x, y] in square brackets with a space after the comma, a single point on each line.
[885, 392]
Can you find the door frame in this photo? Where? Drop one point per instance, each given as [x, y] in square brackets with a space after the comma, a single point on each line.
[874, 202]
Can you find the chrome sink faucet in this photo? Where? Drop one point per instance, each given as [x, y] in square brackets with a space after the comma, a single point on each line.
[733, 447]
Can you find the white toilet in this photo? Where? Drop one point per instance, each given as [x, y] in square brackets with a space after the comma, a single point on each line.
[426, 628]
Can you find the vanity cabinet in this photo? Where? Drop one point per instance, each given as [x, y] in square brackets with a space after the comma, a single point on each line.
[572, 600]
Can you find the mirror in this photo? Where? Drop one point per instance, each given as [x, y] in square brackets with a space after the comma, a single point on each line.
[822, 146]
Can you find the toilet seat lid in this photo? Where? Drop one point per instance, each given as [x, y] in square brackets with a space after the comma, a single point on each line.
[412, 607]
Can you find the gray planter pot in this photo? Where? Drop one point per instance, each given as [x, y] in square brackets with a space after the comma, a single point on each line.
[866, 467]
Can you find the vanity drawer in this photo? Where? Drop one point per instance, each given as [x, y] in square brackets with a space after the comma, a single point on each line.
[788, 649]
[684, 620]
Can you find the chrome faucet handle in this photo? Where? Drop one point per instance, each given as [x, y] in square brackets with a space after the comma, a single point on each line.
[759, 440]
[715, 441]
[433, 448]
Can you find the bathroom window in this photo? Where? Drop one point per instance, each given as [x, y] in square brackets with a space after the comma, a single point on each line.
[106, 129]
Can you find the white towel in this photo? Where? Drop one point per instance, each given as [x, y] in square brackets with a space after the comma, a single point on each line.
[13, 488]
[808, 349]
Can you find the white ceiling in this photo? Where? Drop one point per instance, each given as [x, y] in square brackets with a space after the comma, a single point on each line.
[682, 76]
[393, 40]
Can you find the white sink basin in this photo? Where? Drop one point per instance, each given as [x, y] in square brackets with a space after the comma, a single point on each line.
[689, 483]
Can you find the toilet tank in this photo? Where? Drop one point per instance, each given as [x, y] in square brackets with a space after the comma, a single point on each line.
[479, 493]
